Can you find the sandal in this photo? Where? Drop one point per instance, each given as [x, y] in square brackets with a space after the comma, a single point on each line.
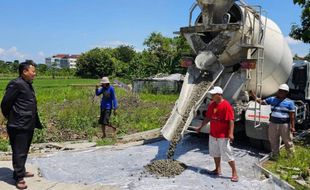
[28, 174]
[21, 184]
[234, 179]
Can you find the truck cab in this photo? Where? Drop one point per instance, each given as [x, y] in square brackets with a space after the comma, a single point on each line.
[300, 90]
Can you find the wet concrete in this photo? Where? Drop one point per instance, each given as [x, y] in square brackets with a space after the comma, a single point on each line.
[165, 168]
[124, 167]
[198, 91]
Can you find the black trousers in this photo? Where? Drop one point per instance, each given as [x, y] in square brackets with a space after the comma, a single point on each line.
[105, 116]
[20, 141]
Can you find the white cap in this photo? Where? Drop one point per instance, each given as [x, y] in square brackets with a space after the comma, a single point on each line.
[284, 87]
[104, 80]
[216, 90]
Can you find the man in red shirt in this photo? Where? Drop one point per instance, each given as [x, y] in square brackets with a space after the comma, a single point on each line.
[221, 117]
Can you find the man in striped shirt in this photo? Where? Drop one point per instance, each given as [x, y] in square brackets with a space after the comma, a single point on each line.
[282, 120]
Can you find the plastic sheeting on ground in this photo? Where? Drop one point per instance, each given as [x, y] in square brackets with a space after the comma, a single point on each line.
[123, 167]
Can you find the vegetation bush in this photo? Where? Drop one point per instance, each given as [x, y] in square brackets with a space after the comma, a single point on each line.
[297, 165]
[4, 145]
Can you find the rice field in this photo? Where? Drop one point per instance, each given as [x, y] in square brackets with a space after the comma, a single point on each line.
[69, 109]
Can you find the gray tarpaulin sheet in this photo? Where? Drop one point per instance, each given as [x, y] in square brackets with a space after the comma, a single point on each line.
[123, 167]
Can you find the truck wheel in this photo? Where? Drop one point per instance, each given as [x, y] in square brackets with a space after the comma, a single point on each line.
[260, 144]
[256, 143]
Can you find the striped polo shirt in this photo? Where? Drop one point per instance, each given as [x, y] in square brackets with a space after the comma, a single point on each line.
[280, 112]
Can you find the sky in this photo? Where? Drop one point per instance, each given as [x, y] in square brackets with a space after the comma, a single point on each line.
[36, 29]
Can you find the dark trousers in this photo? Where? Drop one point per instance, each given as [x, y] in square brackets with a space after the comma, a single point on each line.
[20, 141]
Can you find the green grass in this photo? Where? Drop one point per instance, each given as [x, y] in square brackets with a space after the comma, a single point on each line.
[283, 166]
[4, 145]
[69, 110]
[143, 112]
[105, 141]
[161, 98]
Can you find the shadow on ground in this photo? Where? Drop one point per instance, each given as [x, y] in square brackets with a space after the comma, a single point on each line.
[6, 176]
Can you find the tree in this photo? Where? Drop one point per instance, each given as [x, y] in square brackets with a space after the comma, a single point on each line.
[160, 51]
[53, 69]
[42, 68]
[124, 53]
[4, 68]
[142, 66]
[121, 68]
[14, 66]
[302, 32]
[165, 53]
[307, 57]
[162, 55]
[182, 49]
[96, 63]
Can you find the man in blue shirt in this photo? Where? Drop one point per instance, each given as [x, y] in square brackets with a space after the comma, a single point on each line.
[108, 102]
[282, 120]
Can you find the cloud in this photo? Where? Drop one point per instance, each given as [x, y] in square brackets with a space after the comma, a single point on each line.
[111, 44]
[138, 50]
[115, 44]
[300, 51]
[2, 51]
[292, 41]
[41, 54]
[39, 57]
[297, 46]
[12, 54]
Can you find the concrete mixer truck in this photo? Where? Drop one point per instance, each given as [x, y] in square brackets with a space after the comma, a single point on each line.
[238, 48]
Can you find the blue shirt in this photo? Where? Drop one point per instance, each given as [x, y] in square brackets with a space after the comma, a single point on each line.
[108, 100]
[280, 111]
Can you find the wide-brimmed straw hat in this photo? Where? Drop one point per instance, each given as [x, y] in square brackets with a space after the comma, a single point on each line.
[105, 80]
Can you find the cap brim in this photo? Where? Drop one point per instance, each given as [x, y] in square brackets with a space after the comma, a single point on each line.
[284, 89]
[212, 92]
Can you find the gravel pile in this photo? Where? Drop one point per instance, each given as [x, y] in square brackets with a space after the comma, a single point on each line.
[165, 168]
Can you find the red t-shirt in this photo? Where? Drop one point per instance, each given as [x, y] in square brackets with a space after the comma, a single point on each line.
[219, 115]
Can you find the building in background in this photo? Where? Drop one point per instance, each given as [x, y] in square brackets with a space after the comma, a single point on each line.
[62, 61]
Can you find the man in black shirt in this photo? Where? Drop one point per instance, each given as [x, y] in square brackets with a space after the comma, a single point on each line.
[19, 107]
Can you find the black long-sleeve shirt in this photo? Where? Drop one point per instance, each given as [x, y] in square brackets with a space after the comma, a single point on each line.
[19, 105]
